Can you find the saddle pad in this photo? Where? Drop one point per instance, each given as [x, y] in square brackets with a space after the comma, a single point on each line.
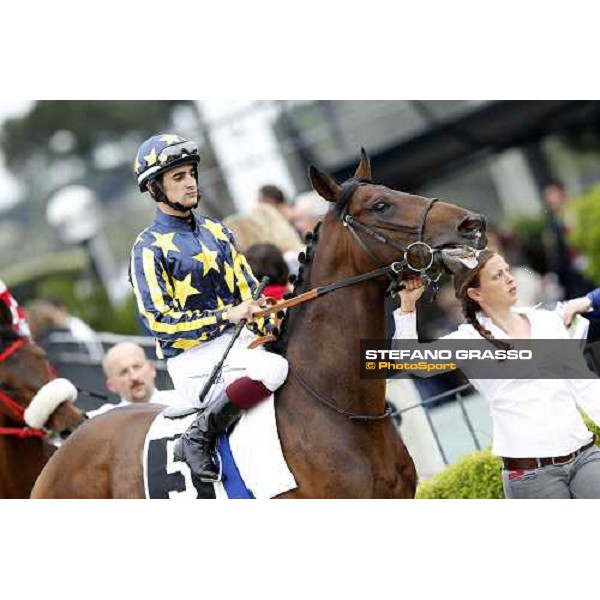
[252, 459]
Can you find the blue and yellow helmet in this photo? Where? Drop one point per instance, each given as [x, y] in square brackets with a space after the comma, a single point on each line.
[161, 152]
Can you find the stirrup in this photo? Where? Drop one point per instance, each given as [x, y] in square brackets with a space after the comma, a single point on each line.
[219, 478]
[179, 412]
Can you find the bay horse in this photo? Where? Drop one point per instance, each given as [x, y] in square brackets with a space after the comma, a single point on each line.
[24, 450]
[334, 427]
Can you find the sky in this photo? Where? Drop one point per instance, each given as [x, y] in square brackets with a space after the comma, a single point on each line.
[9, 187]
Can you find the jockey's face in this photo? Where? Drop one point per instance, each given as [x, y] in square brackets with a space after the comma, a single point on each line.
[180, 186]
[128, 373]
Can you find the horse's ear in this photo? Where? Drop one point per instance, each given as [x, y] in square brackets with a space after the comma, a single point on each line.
[324, 184]
[363, 171]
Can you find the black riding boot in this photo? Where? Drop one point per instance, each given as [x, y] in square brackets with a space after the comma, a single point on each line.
[196, 444]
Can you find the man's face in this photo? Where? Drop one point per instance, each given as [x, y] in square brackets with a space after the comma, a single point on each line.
[129, 374]
[180, 186]
[554, 197]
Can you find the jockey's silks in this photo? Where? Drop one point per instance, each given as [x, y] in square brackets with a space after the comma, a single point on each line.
[185, 273]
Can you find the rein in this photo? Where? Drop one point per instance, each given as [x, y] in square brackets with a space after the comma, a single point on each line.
[390, 409]
[14, 407]
[393, 271]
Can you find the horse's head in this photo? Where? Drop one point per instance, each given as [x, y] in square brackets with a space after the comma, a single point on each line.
[24, 370]
[388, 225]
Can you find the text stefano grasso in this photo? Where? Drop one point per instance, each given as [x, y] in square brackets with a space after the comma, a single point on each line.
[437, 354]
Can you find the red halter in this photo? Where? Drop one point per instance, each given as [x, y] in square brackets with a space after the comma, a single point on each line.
[6, 402]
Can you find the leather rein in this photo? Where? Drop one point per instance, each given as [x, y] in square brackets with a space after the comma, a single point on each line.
[13, 409]
[393, 271]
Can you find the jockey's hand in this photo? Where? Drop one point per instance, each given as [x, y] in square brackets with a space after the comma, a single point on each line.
[245, 310]
[575, 307]
[413, 290]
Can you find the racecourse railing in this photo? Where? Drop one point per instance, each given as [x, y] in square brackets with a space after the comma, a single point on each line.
[458, 394]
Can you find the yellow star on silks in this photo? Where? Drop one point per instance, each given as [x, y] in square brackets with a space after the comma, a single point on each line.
[220, 303]
[208, 258]
[151, 158]
[169, 139]
[216, 230]
[229, 277]
[184, 289]
[164, 241]
[185, 344]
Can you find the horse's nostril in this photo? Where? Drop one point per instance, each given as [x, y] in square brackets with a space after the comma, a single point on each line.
[472, 224]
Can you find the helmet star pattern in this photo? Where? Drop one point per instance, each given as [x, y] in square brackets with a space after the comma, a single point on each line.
[161, 152]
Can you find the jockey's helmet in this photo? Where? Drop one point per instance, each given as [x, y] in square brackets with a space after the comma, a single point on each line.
[160, 153]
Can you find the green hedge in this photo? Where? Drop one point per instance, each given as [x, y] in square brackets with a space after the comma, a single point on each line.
[477, 475]
[586, 234]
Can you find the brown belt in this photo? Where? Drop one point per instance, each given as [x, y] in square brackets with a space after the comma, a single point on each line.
[516, 464]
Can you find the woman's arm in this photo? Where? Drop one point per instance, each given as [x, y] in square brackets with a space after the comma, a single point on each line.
[585, 304]
[405, 320]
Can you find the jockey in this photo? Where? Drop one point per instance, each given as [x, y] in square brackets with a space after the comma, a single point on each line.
[19, 323]
[192, 286]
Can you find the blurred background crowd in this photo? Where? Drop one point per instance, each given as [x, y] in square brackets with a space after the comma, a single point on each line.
[70, 209]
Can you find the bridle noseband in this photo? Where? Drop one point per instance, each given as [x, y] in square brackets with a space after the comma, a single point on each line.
[12, 408]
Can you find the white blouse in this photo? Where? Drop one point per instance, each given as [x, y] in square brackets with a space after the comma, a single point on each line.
[531, 418]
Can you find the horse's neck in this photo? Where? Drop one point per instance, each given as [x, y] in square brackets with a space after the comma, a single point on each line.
[21, 461]
[324, 343]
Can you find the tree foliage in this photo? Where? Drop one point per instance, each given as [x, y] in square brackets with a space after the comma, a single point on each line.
[90, 122]
[586, 236]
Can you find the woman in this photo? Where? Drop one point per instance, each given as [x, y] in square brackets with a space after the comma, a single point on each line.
[546, 449]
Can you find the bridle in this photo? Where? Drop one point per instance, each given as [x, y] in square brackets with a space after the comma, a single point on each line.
[13, 409]
[354, 226]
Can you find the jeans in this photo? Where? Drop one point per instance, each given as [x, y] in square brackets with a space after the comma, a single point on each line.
[579, 478]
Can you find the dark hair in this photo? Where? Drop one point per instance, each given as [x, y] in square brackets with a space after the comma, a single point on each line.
[470, 278]
[555, 182]
[273, 192]
[267, 260]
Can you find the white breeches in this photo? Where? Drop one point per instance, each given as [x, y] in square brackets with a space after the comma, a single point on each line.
[190, 369]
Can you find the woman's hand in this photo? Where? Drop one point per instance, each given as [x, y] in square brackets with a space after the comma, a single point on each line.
[413, 290]
[575, 307]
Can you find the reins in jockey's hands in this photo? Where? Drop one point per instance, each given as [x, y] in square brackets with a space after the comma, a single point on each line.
[246, 310]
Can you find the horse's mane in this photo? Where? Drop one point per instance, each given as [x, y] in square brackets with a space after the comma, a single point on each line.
[300, 283]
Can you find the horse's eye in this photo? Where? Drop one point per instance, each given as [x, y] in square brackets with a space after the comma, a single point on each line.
[380, 207]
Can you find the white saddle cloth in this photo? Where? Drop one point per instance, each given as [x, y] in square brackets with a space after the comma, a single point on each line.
[255, 447]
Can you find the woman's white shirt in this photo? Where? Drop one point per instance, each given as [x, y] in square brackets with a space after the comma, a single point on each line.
[531, 417]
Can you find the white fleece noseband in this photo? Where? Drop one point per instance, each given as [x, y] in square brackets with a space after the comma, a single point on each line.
[48, 398]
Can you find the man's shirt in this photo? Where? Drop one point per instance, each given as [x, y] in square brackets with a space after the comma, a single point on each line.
[186, 274]
[166, 397]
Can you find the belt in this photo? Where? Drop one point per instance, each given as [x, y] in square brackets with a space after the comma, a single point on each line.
[516, 464]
